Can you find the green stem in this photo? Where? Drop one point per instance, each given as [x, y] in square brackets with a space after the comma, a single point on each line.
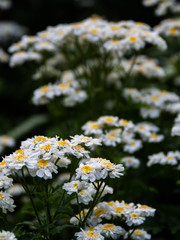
[25, 186]
[92, 204]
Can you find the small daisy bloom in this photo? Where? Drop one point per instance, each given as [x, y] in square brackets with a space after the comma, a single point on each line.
[6, 235]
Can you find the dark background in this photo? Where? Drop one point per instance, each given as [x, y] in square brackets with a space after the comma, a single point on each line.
[38, 14]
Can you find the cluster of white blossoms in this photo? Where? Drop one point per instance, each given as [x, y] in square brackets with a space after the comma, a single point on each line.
[155, 101]
[6, 141]
[143, 65]
[5, 4]
[113, 131]
[130, 161]
[41, 157]
[67, 86]
[129, 214]
[169, 27]
[85, 191]
[6, 235]
[171, 158]
[4, 57]
[117, 37]
[163, 6]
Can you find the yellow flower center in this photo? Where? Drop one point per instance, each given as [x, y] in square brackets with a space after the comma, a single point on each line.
[39, 139]
[108, 165]
[111, 203]
[112, 136]
[42, 163]
[20, 157]
[144, 207]
[109, 119]
[165, 93]
[44, 34]
[94, 31]
[21, 151]
[85, 138]
[170, 158]
[119, 209]
[63, 143]
[133, 143]
[133, 39]
[127, 205]
[95, 125]
[78, 148]
[173, 31]
[124, 122]
[1, 195]
[3, 163]
[46, 147]
[134, 216]
[63, 86]
[92, 234]
[154, 98]
[141, 128]
[138, 232]
[75, 185]
[99, 212]
[108, 227]
[154, 136]
[60, 33]
[86, 169]
[115, 28]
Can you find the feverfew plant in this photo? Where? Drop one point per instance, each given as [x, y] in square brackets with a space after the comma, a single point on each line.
[37, 165]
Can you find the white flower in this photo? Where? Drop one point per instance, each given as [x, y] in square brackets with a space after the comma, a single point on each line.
[22, 56]
[140, 234]
[6, 202]
[130, 162]
[75, 186]
[145, 211]
[5, 182]
[6, 235]
[111, 230]
[109, 120]
[43, 169]
[88, 235]
[132, 146]
[134, 218]
[87, 141]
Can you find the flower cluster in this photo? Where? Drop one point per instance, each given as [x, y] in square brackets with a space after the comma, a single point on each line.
[143, 65]
[169, 27]
[68, 86]
[40, 156]
[154, 101]
[85, 191]
[130, 214]
[171, 158]
[120, 37]
[112, 131]
[163, 6]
